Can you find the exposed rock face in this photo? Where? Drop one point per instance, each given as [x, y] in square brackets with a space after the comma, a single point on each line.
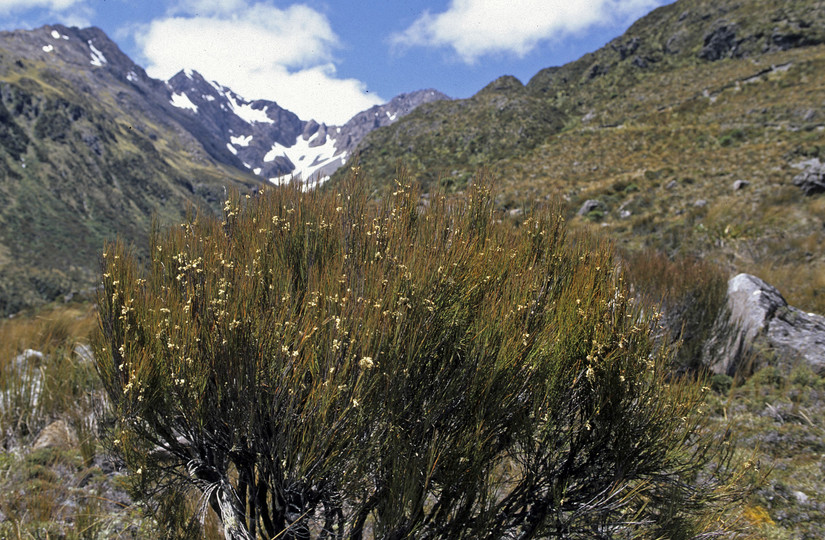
[271, 141]
[719, 43]
[759, 324]
[812, 178]
[249, 128]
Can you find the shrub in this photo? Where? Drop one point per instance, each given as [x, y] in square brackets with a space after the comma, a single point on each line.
[721, 383]
[731, 137]
[319, 366]
[595, 215]
[691, 293]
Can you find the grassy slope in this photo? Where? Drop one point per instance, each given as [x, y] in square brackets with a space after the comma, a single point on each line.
[653, 170]
[650, 125]
[649, 143]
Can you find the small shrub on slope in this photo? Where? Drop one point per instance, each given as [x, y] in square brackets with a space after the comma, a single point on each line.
[318, 366]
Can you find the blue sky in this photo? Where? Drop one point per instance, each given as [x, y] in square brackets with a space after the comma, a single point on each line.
[329, 59]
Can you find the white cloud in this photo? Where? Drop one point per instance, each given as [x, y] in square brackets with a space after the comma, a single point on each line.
[82, 18]
[30, 14]
[474, 28]
[259, 51]
[7, 6]
[209, 7]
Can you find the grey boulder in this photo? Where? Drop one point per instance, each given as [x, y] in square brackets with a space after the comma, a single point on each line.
[812, 177]
[760, 326]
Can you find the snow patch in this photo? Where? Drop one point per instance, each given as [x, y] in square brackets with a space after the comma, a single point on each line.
[55, 34]
[246, 113]
[232, 149]
[132, 76]
[241, 141]
[182, 101]
[48, 48]
[242, 108]
[221, 90]
[310, 162]
[207, 97]
[392, 116]
[257, 170]
[97, 57]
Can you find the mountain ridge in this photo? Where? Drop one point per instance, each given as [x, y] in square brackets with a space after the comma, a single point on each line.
[275, 143]
[682, 135]
[92, 148]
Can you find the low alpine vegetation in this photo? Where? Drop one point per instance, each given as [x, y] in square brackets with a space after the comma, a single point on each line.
[315, 365]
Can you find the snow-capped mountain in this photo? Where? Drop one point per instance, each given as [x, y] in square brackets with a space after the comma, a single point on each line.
[274, 143]
[91, 148]
[257, 136]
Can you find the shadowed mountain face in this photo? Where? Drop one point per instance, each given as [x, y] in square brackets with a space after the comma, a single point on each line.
[685, 135]
[92, 148]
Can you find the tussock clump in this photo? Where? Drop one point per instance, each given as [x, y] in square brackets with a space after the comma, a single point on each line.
[319, 366]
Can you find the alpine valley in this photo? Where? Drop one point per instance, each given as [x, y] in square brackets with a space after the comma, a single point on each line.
[92, 148]
[693, 144]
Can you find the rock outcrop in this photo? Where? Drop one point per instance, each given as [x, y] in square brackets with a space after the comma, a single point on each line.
[589, 206]
[812, 177]
[719, 43]
[759, 326]
[58, 434]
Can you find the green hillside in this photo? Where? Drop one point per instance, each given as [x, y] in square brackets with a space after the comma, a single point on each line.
[656, 126]
[85, 157]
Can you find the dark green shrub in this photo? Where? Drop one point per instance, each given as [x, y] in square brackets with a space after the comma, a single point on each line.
[318, 366]
[595, 215]
[768, 376]
[732, 137]
[721, 383]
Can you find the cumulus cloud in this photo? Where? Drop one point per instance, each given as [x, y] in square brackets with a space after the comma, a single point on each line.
[260, 52]
[474, 28]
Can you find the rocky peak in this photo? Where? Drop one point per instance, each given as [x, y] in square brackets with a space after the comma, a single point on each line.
[505, 83]
[351, 133]
[90, 49]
